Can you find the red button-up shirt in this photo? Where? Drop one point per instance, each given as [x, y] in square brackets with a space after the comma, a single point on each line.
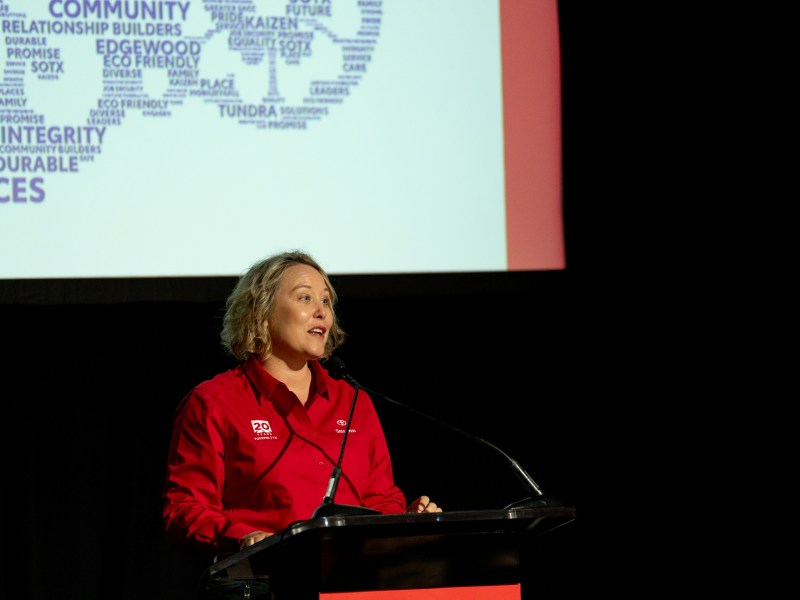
[246, 455]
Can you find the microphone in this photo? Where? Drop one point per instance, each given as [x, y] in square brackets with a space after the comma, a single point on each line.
[328, 508]
[337, 370]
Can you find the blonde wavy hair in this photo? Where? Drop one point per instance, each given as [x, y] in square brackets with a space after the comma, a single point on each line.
[247, 308]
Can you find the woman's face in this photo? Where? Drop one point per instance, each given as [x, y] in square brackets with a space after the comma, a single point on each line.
[302, 318]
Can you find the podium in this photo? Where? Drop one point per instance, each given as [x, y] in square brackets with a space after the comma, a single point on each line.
[400, 552]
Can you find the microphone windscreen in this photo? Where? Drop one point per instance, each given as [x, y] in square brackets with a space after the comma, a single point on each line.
[335, 367]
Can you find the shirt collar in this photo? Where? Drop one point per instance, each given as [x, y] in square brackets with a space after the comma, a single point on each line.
[266, 383]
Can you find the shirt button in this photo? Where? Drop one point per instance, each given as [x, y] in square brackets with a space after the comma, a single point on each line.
[321, 463]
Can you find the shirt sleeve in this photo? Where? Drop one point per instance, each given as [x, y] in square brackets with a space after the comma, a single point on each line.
[381, 493]
[195, 478]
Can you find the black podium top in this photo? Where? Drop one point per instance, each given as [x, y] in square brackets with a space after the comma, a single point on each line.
[403, 551]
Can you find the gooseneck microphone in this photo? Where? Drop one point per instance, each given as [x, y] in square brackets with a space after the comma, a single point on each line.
[337, 370]
[328, 508]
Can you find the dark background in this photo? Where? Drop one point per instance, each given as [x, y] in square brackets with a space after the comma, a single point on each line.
[93, 369]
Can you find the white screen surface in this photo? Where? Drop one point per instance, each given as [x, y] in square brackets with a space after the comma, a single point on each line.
[163, 138]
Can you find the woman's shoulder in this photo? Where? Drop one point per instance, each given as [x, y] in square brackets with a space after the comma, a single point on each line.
[231, 381]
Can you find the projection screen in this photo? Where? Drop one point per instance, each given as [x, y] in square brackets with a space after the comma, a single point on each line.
[191, 138]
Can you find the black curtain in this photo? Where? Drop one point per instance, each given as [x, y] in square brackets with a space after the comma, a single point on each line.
[89, 391]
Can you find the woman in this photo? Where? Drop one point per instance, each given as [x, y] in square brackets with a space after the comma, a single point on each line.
[253, 448]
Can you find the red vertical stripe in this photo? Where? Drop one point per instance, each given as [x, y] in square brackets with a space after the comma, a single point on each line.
[532, 129]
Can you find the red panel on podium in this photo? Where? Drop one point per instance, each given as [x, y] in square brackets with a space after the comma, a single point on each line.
[480, 592]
